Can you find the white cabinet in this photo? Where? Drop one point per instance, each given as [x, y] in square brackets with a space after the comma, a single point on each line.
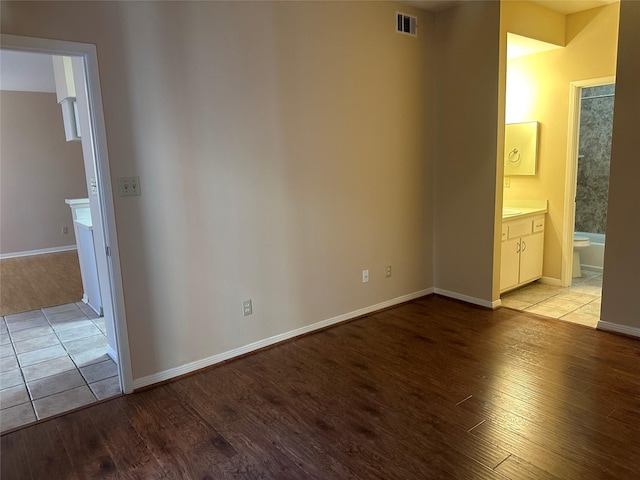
[522, 249]
[83, 229]
[89, 269]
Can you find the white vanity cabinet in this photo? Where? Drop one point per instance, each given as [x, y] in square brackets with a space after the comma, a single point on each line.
[83, 229]
[522, 248]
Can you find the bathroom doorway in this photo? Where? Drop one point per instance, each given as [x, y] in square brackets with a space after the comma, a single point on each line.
[578, 299]
[589, 153]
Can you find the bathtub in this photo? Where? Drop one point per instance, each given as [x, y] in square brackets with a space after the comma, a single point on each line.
[592, 257]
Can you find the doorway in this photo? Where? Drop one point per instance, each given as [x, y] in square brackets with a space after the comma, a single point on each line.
[83, 61]
[578, 298]
[588, 157]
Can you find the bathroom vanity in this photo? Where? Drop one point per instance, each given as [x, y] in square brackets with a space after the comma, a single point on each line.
[522, 243]
[83, 229]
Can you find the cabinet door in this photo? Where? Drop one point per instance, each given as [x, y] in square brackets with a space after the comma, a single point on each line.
[531, 257]
[509, 264]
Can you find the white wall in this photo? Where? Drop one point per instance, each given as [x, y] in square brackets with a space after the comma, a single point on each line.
[38, 170]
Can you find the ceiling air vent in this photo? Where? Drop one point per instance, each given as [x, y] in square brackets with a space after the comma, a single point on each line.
[406, 24]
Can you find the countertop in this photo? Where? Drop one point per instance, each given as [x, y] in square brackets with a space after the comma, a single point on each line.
[525, 208]
[77, 201]
[84, 223]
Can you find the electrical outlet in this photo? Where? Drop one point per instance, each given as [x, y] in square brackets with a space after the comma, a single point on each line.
[247, 308]
[65, 230]
[387, 272]
[129, 186]
[365, 276]
[507, 182]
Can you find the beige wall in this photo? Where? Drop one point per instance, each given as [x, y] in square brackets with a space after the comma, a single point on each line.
[282, 148]
[538, 89]
[38, 170]
[281, 152]
[621, 283]
[533, 20]
[467, 40]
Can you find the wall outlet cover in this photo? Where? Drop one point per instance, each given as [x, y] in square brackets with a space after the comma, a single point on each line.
[247, 307]
[365, 276]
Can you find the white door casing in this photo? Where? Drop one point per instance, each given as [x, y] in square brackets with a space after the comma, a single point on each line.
[94, 147]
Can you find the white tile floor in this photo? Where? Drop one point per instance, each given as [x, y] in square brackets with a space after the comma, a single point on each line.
[579, 303]
[52, 360]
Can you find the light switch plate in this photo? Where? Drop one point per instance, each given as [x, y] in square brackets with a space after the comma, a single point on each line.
[129, 186]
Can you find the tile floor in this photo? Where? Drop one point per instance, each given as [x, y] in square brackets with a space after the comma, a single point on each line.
[52, 360]
[579, 303]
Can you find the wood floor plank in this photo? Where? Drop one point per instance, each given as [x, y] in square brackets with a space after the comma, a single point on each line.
[39, 281]
[562, 438]
[430, 389]
[275, 455]
[546, 459]
[47, 454]
[387, 409]
[13, 457]
[517, 469]
[192, 449]
[88, 453]
[501, 408]
[131, 455]
[620, 382]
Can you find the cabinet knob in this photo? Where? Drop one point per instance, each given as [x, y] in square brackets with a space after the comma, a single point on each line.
[524, 245]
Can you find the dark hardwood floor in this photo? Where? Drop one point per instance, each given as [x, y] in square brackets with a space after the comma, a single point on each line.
[431, 389]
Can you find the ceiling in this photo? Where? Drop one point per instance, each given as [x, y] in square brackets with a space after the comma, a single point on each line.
[565, 7]
[26, 72]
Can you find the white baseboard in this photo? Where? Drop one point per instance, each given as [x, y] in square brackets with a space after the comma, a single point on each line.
[236, 352]
[112, 354]
[41, 251]
[556, 282]
[617, 328]
[592, 268]
[465, 298]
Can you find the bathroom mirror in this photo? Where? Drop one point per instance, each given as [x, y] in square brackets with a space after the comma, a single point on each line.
[520, 148]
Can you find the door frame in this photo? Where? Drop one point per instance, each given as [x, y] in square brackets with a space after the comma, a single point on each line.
[571, 178]
[88, 54]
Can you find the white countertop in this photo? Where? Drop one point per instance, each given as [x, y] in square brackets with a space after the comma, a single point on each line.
[84, 223]
[77, 201]
[524, 208]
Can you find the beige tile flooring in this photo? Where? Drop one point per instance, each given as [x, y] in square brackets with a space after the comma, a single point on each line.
[52, 360]
[579, 303]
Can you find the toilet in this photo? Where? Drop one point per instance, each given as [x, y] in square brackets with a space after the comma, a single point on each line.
[580, 242]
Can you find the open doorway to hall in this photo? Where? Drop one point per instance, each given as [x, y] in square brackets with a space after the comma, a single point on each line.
[58, 348]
